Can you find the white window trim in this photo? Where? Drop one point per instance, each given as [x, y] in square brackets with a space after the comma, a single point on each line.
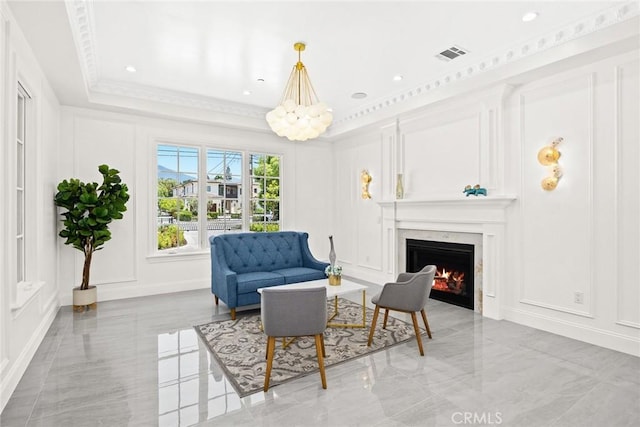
[24, 291]
[153, 254]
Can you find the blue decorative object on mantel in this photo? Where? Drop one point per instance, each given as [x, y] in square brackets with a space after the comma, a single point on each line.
[475, 190]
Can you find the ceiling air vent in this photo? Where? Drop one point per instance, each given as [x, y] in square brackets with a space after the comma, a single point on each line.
[452, 53]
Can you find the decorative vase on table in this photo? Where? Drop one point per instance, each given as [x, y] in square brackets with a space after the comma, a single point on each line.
[332, 252]
[333, 271]
[335, 280]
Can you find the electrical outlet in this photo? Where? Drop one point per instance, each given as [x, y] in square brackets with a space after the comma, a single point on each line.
[578, 298]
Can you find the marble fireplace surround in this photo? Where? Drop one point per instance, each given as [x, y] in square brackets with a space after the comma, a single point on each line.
[479, 221]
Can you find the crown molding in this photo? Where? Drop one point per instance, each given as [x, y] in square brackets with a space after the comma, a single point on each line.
[80, 16]
[182, 99]
[595, 22]
[81, 20]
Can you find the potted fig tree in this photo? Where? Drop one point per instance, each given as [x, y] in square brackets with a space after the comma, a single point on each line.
[89, 209]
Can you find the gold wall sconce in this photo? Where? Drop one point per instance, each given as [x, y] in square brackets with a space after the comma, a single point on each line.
[549, 156]
[365, 180]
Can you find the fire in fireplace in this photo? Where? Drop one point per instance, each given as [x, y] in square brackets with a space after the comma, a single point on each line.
[453, 282]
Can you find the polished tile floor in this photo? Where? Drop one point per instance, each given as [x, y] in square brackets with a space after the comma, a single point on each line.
[138, 362]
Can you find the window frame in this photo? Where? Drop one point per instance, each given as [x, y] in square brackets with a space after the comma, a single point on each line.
[20, 189]
[245, 197]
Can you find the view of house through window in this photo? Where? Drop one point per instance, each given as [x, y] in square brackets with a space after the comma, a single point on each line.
[201, 188]
[265, 194]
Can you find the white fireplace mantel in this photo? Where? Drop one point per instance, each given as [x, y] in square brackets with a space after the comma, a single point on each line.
[485, 215]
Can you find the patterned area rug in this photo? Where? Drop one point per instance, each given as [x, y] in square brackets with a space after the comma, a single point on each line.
[239, 346]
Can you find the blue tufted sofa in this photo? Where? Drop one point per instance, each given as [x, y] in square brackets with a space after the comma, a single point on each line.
[243, 262]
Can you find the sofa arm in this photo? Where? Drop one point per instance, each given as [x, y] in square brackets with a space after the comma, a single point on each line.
[224, 281]
[308, 260]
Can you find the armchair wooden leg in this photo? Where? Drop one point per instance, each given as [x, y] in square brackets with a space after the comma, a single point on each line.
[386, 317]
[426, 324]
[320, 351]
[215, 298]
[324, 353]
[373, 325]
[417, 329]
[266, 354]
[233, 314]
[271, 345]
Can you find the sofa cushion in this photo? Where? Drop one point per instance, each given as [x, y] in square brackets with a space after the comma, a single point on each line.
[300, 274]
[255, 252]
[250, 282]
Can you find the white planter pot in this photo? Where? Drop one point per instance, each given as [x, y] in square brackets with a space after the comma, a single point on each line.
[87, 297]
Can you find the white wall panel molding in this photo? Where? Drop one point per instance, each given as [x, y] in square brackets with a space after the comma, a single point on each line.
[124, 290]
[441, 153]
[28, 308]
[559, 224]
[113, 142]
[492, 167]
[388, 154]
[464, 136]
[627, 193]
[590, 302]
[12, 376]
[5, 293]
[558, 308]
[389, 256]
[489, 149]
[572, 329]
[390, 167]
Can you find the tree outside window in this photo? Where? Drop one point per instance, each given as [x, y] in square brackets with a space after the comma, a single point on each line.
[265, 200]
[200, 188]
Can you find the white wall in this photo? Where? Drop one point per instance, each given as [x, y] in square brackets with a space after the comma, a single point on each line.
[26, 310]
[357, 221]
[583, 237]
[127, 267]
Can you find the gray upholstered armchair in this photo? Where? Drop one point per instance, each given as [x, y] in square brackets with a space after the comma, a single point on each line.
[294, 313]
[409, 294]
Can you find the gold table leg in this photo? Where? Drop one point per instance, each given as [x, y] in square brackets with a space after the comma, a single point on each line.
[335, 310]
[350, 325]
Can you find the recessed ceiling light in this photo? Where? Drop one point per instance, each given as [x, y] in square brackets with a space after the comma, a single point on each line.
[397, 78]
[130, 68]
[529, 16]
[260, 80]
[246, 92]
[359, 95]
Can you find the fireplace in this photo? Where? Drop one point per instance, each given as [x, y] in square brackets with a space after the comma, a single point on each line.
[454, 263]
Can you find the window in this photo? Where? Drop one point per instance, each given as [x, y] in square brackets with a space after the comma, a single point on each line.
[21, 134]
[265, 197]
[177, 197]
[186, 205]
[224, 209]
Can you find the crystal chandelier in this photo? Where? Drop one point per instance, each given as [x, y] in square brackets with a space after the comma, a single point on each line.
[299, 116]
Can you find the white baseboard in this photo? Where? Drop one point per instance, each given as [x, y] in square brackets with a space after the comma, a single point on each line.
[18, 368]
[599, 337]
[116, 291]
